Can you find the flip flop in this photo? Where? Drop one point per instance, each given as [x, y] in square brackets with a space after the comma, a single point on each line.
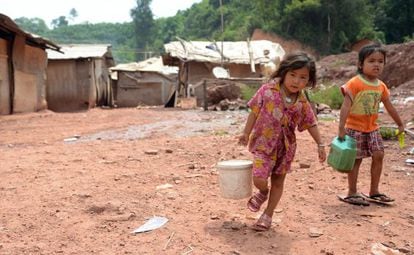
[379, 199]
[355, 199]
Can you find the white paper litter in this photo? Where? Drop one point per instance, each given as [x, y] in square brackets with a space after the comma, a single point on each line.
[153, 223]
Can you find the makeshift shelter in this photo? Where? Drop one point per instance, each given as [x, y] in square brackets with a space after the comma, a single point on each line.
[196, 59]
[145, 83]
[23, 62]
[78, 78]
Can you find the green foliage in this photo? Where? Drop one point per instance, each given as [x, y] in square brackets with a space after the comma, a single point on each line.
[33, 25]
[330, 95]
[388, 133]
[397, 19]
[143, 21]
[329, 26]
[248, 91]
[408, 38]
[202, 21]
[61, 21]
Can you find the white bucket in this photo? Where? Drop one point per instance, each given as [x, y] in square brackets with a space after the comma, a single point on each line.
[235, 178]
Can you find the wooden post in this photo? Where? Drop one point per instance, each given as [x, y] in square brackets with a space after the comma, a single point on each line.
[205, 95]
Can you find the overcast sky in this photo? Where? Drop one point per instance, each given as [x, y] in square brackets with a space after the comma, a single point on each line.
[93, 11]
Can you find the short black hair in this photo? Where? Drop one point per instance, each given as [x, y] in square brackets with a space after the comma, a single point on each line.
[368, 50]
[293, 61]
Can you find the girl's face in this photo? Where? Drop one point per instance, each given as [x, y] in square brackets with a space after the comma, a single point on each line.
[373, 65]
[296, 80]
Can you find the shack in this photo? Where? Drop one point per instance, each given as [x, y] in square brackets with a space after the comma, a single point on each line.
[145, 83]
[242, 60]
[23, 62]
[78, 78]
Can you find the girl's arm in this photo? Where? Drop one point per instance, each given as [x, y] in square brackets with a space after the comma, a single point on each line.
[314, 132]
[345, 109]
[244, 138]
[394, 114]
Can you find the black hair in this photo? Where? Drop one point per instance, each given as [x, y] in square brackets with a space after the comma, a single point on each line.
[293, 61]
[367, 50]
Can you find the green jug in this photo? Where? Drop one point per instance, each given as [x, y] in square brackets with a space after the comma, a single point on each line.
[342, 154]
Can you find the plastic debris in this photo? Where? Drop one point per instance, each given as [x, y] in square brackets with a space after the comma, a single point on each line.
[153, 223]
[380, 249]
[401, 138]
[72, 139]
[164, 186]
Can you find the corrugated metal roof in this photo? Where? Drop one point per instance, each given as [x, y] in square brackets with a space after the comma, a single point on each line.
[148, 65]
[76, 51]
[10, 26]
[241, 52]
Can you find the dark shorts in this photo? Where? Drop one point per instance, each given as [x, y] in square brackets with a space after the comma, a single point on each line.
[367, 143]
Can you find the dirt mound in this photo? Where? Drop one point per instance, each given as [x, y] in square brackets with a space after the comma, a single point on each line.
[399, 69]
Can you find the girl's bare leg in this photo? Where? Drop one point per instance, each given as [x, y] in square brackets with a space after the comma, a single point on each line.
[261, 185]
[376, 170]
[353, 177]
[276, 191]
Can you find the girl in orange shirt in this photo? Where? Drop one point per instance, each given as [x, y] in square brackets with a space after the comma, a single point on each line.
[359, 112]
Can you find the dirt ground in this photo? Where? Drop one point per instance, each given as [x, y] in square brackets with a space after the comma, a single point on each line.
[86, 194]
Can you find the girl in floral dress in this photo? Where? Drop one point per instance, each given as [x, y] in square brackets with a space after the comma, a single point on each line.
[277, 108]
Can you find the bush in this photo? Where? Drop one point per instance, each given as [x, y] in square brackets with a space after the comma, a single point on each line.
[330, 95]
[248, 91]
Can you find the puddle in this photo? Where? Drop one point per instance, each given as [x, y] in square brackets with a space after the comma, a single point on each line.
[188, 123]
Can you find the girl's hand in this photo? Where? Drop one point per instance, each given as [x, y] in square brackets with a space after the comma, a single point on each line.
[244, 139]
[401, 129]
[321, 153]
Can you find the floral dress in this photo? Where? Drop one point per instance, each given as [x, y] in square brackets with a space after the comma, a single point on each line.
[272, 140]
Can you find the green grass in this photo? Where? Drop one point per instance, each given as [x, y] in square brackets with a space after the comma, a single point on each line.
[247, 92]
[339, 63]
[326, 118]
[330, 95]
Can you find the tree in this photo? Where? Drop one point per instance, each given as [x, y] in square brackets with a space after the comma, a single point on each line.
[73, 14]
[143, 20]
[60, 22]
[328, 25]
[33, 25]
[397, 21]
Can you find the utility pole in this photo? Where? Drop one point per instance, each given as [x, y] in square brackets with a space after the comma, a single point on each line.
[222, 31]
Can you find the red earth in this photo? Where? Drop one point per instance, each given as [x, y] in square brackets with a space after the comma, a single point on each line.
[80, 183]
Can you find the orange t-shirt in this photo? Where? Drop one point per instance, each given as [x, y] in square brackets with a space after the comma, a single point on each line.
[366, 97]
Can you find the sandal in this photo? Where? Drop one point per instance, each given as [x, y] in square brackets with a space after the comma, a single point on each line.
[379, 198]
[263, 223]
[355, 199]
[256, 201]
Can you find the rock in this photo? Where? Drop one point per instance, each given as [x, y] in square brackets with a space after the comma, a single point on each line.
[304, 165]
[314, 232]
[151, 152]
[164, 186]
[172, 195]
[233, 225]
[380, 249]
[214, 217]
